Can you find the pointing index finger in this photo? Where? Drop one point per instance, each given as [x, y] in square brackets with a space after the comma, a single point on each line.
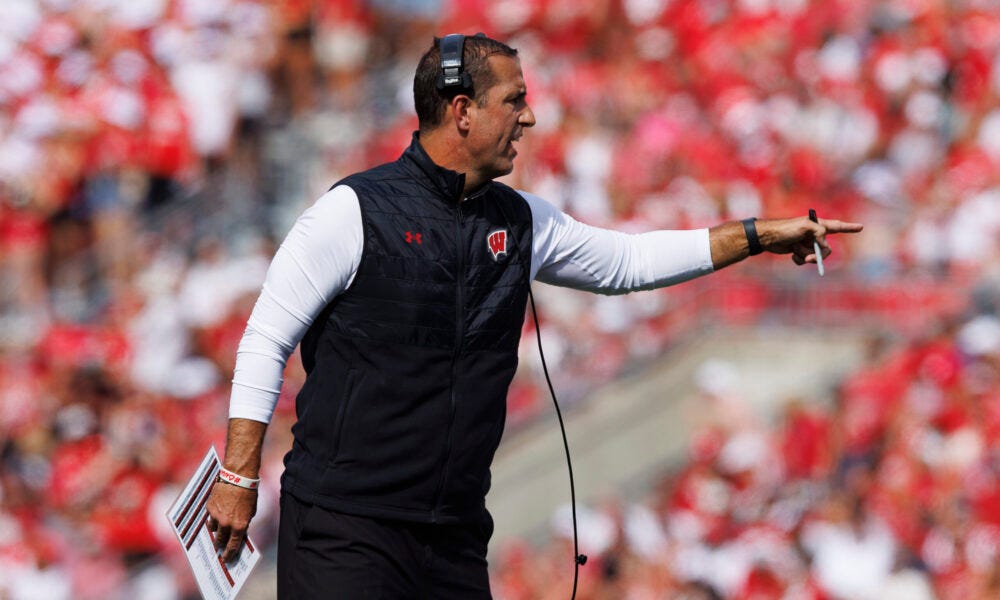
[835, 226]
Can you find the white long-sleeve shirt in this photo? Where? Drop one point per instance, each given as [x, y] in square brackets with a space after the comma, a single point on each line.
[320, 256]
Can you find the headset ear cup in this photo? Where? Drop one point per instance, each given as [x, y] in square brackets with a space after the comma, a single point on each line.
[453, 75]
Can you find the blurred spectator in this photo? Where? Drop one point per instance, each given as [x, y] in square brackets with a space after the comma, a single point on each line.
[889, 493]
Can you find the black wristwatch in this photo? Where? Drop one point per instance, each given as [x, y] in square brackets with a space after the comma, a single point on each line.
[751, 231]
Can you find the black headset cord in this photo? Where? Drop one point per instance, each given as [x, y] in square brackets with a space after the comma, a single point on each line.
[578, 559]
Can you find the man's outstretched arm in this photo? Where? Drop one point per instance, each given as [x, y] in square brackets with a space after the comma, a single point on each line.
[568, 253]
[795, 236]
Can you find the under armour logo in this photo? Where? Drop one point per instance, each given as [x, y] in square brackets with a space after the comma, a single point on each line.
[497, 242]
[413, 237]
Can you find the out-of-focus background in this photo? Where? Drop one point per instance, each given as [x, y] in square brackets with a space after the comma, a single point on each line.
[760, 433]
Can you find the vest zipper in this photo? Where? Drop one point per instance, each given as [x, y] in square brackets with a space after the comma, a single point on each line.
[459, 336]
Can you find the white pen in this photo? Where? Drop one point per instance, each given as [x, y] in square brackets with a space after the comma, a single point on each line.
[816, 248]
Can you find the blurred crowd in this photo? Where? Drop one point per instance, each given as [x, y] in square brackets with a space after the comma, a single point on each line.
[154, 152]
[889, 492]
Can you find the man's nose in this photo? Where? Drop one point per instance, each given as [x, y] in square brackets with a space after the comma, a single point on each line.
[527, 117]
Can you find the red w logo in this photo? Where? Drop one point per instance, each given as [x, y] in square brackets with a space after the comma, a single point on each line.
[497, 242]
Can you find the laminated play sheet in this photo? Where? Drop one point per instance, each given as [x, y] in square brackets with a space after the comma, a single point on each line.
[188, 518]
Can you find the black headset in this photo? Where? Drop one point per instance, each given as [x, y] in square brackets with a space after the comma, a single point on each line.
[453, 78]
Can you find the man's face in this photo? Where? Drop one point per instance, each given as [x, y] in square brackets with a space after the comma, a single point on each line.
[499, 119]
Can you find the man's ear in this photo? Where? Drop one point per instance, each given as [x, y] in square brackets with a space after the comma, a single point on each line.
[459, 109]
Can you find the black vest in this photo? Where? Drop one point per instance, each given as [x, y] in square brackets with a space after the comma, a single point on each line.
[408, 369]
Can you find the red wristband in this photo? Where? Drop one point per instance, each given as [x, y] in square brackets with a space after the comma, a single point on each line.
[239, 480]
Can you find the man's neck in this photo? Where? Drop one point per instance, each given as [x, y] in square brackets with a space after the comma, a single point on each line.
[448, 153]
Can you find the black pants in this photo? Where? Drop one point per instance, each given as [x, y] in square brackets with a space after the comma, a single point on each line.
[331, 555]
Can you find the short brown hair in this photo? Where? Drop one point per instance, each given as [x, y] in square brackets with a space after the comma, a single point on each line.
[429, 101]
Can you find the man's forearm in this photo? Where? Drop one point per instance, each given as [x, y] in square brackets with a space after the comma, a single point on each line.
[728, 242]
[244, 441]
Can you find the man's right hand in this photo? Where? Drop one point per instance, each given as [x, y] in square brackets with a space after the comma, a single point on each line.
[230, 509]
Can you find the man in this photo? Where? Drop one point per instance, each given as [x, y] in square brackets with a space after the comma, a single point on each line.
[407, 285]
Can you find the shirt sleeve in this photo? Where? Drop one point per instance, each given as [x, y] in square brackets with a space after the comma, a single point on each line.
[571, 254]
[316, 262]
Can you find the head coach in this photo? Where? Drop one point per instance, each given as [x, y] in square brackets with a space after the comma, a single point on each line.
[407, 285]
